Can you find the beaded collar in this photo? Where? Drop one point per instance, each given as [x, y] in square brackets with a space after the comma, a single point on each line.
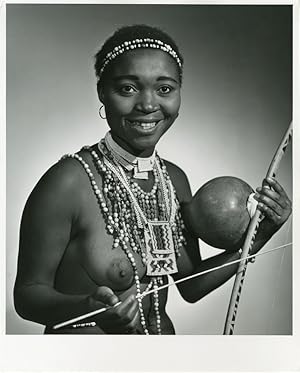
[140, 166]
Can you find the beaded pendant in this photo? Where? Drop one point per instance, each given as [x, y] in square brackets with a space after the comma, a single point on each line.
[161, 259]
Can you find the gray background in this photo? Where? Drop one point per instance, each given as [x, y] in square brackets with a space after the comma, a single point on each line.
[236, 105]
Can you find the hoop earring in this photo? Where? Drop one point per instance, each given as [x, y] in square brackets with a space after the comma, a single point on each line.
[102, 116]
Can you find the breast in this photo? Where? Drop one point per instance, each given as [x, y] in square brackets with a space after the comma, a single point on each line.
[107, 265]
[120, 273]
[92, 247]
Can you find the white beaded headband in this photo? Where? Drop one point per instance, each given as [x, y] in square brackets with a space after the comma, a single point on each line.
[138, 43]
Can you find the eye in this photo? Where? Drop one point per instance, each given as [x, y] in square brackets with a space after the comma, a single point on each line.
[127, 89]
[165, 89]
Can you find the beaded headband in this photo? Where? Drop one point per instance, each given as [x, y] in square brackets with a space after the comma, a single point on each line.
[139, 43]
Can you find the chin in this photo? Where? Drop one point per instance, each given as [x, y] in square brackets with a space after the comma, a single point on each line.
[150, 141]
[144, 143]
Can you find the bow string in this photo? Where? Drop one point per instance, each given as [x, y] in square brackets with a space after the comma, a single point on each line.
[250, 238]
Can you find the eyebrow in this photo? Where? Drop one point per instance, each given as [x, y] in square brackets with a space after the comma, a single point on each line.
[168, 78]
[136, 78]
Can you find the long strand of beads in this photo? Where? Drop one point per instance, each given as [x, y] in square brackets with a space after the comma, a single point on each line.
[178, 225]
[95, 188]
[163, 186]
[138, 286]
[156, 306]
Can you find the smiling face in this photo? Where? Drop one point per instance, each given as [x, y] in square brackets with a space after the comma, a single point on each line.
[142, 98]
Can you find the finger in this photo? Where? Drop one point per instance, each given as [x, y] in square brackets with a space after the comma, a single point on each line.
[123, 313]
[127, 310]
[106, 295]
[269, 212]
[270, 204]
[267, 193]
[276, 186]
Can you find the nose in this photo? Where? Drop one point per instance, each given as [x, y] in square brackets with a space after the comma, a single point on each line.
[147, 102]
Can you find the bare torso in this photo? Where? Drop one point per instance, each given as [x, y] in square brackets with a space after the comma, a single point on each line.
[90, 260]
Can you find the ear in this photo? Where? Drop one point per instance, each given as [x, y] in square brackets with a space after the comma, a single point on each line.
[100, 91]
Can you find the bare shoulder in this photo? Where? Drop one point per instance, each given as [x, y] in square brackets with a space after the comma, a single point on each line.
[59, 188]
[180, 181]
[60, 177]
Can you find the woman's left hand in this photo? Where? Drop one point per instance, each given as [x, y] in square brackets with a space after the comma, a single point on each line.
[274, 203]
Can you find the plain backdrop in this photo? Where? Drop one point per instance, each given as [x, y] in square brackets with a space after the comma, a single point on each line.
[236, 105]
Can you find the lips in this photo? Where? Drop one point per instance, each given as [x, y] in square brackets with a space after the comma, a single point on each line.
[142, 124]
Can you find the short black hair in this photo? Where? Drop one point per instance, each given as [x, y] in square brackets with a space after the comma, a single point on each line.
[128, 33]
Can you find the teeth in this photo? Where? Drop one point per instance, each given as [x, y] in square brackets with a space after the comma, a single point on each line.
[147, 125]
[144, 125]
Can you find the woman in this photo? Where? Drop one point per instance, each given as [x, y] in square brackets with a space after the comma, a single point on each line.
[106, 225]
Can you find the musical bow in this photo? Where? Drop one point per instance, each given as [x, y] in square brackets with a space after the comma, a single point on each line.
[250, 238]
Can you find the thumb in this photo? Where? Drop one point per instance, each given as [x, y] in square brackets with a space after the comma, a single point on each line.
[105, 295]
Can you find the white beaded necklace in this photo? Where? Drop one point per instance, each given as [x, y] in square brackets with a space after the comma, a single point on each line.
[134, 218]
[140, 166]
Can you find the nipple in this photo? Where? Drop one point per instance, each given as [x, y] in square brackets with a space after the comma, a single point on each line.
[123, 266]
[120, 274]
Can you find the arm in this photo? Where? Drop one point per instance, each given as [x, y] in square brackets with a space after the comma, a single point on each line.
[274, 203]
[46, 229]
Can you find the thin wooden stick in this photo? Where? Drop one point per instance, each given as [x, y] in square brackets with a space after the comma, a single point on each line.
[211, 270]
[85, 316]
[251, 234]
[100, 310]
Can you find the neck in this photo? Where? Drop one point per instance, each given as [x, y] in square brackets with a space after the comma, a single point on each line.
[139, 164]
[141, 153]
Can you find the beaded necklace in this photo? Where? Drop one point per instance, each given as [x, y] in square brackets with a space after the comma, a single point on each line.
[146, 223]
[139, 166]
